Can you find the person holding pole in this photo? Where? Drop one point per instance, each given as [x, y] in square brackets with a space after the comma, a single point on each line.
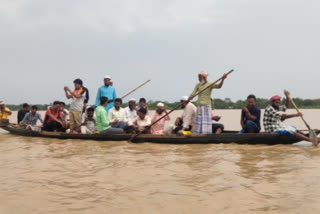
[203, 123]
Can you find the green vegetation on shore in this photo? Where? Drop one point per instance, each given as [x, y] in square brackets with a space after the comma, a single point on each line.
[227, 103]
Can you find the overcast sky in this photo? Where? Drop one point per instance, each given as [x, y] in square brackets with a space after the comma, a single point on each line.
[271, 44]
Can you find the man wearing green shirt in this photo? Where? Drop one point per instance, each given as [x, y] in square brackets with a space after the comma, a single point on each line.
[102, 121]
[203, 124]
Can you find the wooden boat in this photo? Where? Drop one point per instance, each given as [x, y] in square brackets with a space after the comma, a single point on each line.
[226, 137]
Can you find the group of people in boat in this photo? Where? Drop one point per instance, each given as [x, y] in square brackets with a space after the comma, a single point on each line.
[108, 116]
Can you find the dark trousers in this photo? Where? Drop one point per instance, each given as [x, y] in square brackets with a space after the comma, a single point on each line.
[52, 126]
[216, 126]
[250, 127]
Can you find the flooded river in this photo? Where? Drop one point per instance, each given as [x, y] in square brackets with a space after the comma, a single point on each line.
[40, 175]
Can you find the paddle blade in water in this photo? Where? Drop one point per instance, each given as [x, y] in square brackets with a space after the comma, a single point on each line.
[313, 137]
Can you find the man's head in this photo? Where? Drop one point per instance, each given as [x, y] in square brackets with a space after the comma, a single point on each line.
[90, 112]
[275, 101]
[107, 80]
[251, 101]
[62, 106]
[142, 113]
[142, 102]
[202, 76]
[117, 103]
[56, 105]
[25, 107]
[132, 103]
[34, 109]
[77, 83]
[160, 108]
[2, 104]
[103, 101]
[183, 101]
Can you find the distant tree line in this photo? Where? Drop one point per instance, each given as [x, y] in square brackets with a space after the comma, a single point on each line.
[226, 103]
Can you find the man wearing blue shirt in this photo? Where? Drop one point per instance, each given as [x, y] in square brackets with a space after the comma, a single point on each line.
[250, 116]
[107, 91]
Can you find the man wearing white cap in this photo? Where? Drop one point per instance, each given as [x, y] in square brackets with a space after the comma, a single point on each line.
[186, 120]
[131, 110]
[203, 123]
[160, 112]
[107, 90]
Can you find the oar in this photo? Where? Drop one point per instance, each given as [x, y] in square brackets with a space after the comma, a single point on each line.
[135, 89]
[312, 134]
[178, 106]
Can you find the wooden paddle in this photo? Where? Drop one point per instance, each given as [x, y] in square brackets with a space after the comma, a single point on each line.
[312, 134]
[135, 89]
[178, 106]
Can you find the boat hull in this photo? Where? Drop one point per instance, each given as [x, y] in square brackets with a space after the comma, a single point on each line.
[228, 137]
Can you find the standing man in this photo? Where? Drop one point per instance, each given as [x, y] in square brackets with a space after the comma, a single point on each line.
[106, 91]
[22, 112]
[76, 107]
[203, 124]
[250, 116]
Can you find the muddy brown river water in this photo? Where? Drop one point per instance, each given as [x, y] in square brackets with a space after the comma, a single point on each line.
[39, 175]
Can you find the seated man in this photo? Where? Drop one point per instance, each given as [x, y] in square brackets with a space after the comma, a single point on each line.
[31, 118]
[186, 120]
[5, 112]
[158, 128]
[141, 124]
[88, 125]
[102, 121]
[131, 110]
[52, 119]
[117, 115]
[250, 116]
[272, 118]
[217, 128]
[22, 112]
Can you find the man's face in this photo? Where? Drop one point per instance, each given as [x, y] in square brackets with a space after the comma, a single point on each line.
[90, 114]
[183, 103]
[1, 106]
[142, 104]
[33, 110]
[25, 108]
[276, 103]
[117, 105]
[56, 106]
[107, 81]
[77, 86]
[141, 116]
[251, 102]
[62, 107]
[200, 78]
[132, 103]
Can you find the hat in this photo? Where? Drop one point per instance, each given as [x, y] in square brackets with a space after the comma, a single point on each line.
[132, 100]
[275, 97]
[107, 77]
[160, 105]
[204, 74]
[184, 98]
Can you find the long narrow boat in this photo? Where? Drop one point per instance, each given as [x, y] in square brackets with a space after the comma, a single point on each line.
[226, 137]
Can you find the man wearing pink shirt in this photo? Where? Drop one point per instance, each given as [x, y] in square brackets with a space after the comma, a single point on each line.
[158, 128]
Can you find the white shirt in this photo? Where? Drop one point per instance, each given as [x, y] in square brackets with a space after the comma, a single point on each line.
[140, 123]
[130, 115]
[119, 115]
[188, 115]
[77, 103]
